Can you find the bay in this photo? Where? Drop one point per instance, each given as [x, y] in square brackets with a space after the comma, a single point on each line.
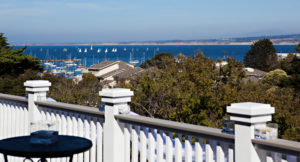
[93, 54]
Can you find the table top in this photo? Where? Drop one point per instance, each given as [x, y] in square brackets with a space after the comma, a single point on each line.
[66, 146]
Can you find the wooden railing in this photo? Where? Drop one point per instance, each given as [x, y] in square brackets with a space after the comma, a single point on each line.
[77, 120]
[277, 150]
[118, 136]
[13, 116]
[163, 140]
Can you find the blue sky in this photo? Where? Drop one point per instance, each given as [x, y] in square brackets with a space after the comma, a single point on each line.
[59, 21]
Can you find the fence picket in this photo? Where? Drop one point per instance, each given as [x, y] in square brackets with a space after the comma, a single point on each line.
[208, 151]
[143, 152]
[169, 147]
[135, 149]
[178, 148]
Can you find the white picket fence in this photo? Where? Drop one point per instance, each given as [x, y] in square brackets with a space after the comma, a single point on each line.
[118, 136]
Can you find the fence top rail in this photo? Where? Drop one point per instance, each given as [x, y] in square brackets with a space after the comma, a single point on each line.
[279, 145]
[71, 107]
[196, 130]
[13, 98]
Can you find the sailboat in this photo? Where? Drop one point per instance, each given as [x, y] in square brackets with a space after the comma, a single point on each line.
[79, 50]
[125, 49]
[133, 61]
[106, 50]
[99, 50]
[114, 50]
[85, 50]
[65, 50]
[91, 47]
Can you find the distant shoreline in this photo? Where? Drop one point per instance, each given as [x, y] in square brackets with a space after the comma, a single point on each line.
[291, 39]
[149, 44]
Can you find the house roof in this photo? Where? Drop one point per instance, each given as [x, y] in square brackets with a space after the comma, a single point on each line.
[125, 69]
[103, 65]
[254, 72]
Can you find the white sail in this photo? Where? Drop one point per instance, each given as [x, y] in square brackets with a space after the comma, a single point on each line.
[133, 61]
[85, 50]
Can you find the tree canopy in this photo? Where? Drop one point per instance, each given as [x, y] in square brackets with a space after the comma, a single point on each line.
[16, 68]
[159, 61]
[13, 62]
[193, 90]
[186, 90]
[298, 48]
[262, 55]
[291, 65]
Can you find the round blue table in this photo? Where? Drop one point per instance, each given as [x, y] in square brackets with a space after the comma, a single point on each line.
[66, 146]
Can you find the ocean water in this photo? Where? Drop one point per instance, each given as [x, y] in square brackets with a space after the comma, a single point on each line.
[140, 53]
[90, 55]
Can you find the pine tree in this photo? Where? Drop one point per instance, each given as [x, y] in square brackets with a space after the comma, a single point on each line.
[262, 55]
[298, 48]
[13, 62]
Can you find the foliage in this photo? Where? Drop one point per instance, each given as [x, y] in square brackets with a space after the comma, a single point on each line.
[262, 55]
[3, 41]
[298, 48]
[186, 90]
[66, 90]
[13, 62]
[275, 77]
[15, 85]
[159, 61]
[194, 90]
[291, 65]
[16, 68]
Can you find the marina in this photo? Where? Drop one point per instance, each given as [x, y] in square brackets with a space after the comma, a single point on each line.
[60, 60]
[70, 60]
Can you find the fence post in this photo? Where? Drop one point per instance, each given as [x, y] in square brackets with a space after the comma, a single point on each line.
[115, 100]
[247, 115]
[36, 91]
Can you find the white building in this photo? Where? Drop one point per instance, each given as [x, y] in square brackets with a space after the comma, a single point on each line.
[110, 71]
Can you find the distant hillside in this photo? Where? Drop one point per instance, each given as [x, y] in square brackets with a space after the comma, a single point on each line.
[277, 39]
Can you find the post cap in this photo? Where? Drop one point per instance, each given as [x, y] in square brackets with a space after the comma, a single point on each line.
[250, 112]
[250, 109]
[37, 83]
[37, 86]
[115, 92]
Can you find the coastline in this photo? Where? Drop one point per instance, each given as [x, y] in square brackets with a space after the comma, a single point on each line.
[150, 44]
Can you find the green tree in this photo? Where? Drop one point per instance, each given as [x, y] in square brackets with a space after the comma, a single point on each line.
[186, 90]
[13, 62]
[3, 41]
[84, 92]
[291, 65]
[298, 48]
[15, 84]
[16, 68]
[159, 61]
[275, 78]
[262, 55]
